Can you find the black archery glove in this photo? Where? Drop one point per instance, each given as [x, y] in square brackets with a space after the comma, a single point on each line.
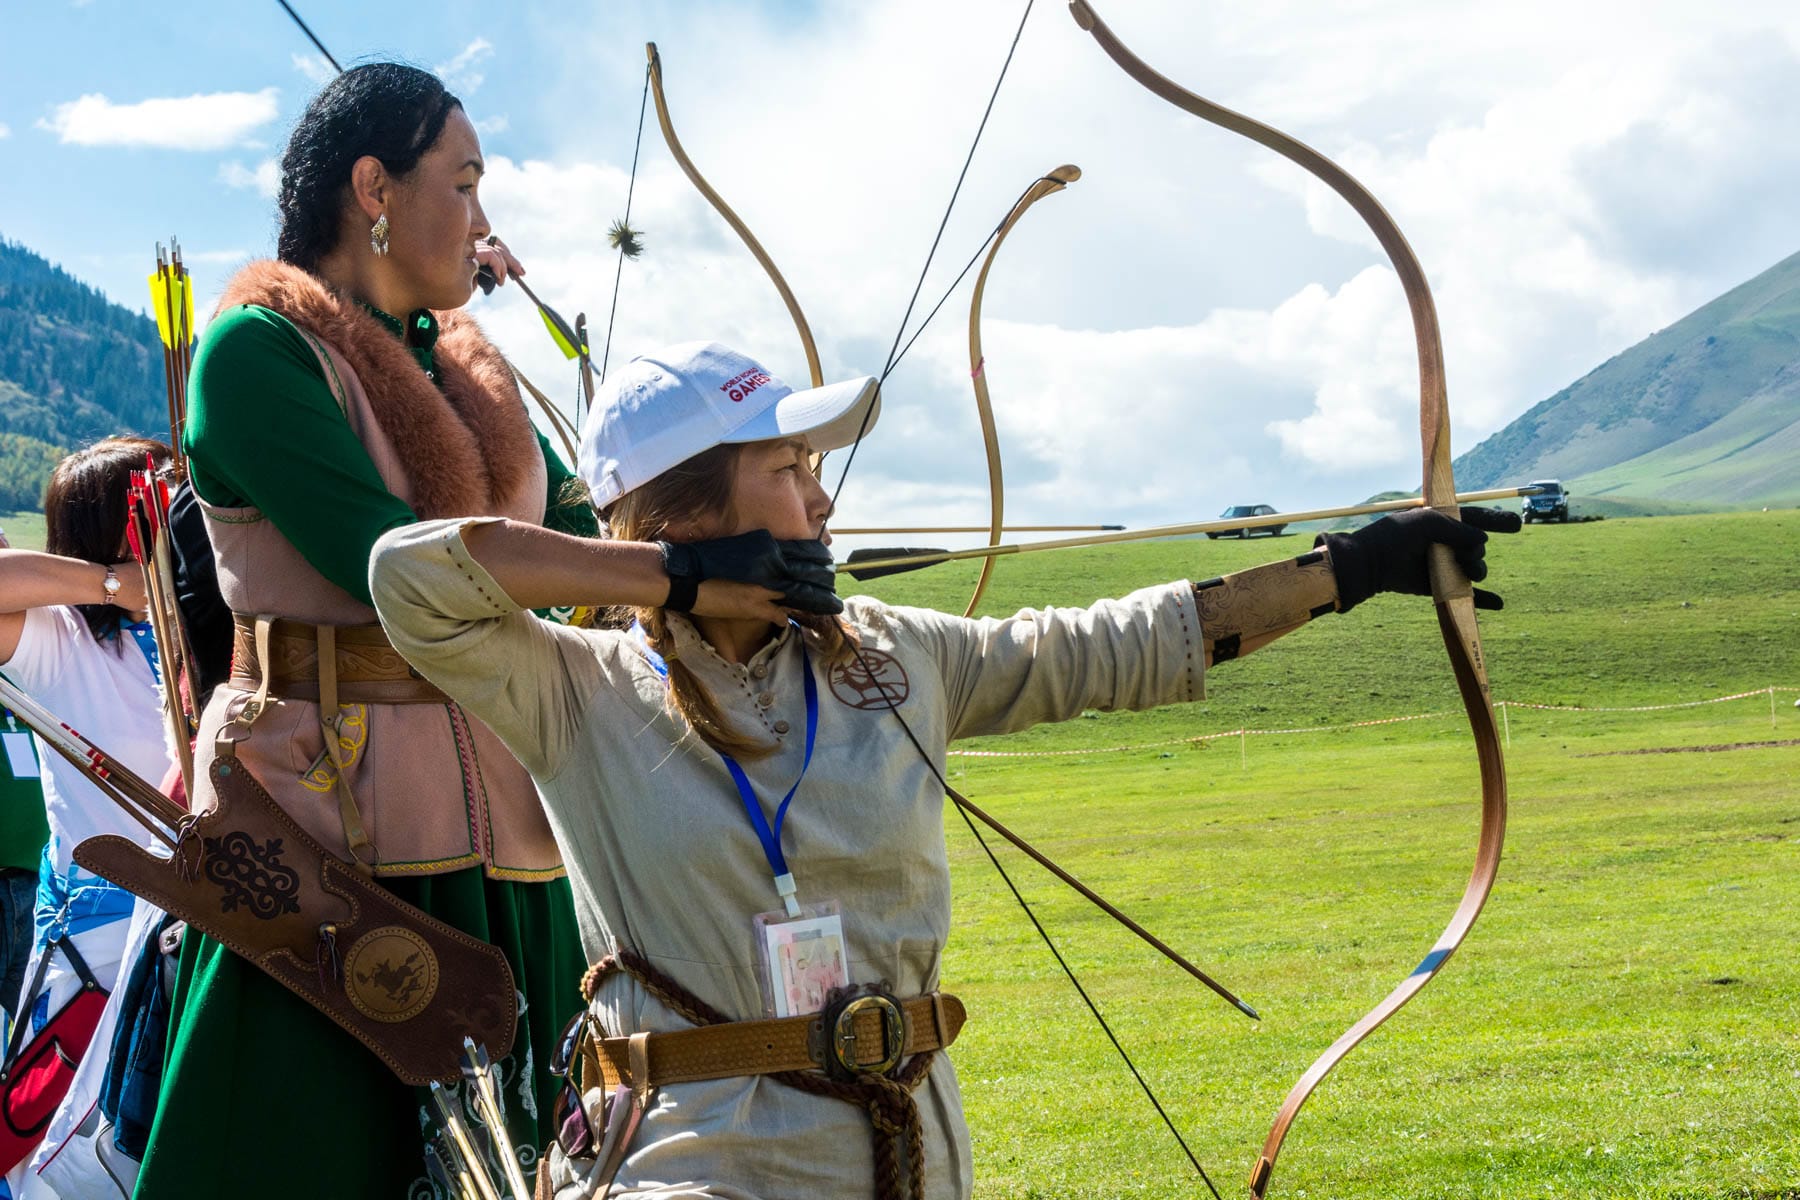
[800, 570]
[1392, 554]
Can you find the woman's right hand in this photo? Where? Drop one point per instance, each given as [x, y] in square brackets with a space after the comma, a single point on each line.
[798, 573]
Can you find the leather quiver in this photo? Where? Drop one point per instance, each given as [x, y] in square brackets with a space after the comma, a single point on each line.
[403, 983]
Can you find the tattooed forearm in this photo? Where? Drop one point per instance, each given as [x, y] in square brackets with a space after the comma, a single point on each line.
[1250, 609]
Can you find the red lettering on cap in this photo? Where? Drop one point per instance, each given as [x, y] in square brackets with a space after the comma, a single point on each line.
[739, 386]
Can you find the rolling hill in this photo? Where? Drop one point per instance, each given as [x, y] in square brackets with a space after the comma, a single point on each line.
[73, 367]
[1704, 414]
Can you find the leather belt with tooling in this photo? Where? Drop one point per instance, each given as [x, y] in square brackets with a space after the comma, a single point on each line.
[368, 668]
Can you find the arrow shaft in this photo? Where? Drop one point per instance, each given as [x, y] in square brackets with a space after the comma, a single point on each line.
[884, 530]
[1168, 531]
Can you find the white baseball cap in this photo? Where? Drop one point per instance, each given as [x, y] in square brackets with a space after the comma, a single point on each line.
[662, 408]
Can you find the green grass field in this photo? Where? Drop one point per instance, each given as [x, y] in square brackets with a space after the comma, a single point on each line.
[1624, 1020]
[25, 530]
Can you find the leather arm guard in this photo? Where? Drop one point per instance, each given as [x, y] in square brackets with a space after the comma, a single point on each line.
[1247, 609]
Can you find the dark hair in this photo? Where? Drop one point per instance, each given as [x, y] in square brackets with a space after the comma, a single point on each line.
[389, 111]
[84, 511]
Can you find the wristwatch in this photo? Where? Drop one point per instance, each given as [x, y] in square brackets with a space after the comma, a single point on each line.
[111, 587]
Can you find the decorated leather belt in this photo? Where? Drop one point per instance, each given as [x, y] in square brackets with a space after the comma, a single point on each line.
[868, 1034]
[369, 669]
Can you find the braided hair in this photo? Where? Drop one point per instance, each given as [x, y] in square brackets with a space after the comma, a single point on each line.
[702, 486]
[385, 110]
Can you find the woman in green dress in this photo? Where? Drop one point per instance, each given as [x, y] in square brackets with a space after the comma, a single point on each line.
[336, 395]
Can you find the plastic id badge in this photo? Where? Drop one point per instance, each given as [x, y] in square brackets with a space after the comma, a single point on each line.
[802, 958]
[19, 755]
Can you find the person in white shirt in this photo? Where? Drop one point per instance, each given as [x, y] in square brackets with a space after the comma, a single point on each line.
[73, 635]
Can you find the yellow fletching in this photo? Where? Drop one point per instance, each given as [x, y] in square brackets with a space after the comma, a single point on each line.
[187, 305]
[562, 343]
[161, 306]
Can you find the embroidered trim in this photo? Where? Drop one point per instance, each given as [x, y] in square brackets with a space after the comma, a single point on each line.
[475, 820]
[338, 391]
[1187, 648]
[463, 563]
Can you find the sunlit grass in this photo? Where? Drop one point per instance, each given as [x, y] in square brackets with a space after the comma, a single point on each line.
[25, 530]
[1624, 1021]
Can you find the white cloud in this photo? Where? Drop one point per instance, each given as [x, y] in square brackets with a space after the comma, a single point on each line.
[5, 130]
[1194, 323]
[494, 124]
[463, 73]
[265, 177]
[214, 121]
[314, 66]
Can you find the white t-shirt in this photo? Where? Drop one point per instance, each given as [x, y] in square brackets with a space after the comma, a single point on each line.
[109, 694]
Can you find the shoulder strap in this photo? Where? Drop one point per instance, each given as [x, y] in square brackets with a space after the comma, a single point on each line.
[29, 996]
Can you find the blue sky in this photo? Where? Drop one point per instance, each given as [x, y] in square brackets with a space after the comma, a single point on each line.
[1194, 324]
[98, 209]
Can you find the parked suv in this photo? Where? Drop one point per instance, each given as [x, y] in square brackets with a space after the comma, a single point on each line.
[1239, 511]
[1550, 504]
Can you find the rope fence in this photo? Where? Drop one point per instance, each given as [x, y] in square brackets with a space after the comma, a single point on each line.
[1243, 735]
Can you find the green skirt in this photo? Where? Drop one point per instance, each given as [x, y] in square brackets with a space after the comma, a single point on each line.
[263, 1096]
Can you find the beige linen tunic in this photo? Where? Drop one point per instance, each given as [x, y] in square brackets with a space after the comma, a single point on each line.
[663, 858]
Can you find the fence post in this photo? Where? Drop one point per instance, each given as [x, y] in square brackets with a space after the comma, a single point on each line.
[1772, 706]
[1243, 750]
[1505, 721]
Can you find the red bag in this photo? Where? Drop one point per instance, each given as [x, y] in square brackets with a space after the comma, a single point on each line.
[37, 1075]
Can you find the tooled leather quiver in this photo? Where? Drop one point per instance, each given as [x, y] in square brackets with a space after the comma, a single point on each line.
[403, 983]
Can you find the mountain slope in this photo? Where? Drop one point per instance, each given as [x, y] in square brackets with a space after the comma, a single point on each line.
[1703, 413]
[73, 365]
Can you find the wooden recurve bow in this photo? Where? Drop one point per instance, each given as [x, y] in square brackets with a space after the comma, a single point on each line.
[1052, 182]
[1450, 589]
[731, 218]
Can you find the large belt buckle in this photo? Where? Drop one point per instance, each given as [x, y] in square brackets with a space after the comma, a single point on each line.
[842, 1046]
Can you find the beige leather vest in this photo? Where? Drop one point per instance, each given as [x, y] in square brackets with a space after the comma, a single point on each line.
[435, 789]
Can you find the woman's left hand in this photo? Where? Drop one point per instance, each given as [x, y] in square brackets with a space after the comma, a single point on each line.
[1390, 554]
[497, 259]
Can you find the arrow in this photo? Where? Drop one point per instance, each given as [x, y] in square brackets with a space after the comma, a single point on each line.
[865, 530]
[874, 563]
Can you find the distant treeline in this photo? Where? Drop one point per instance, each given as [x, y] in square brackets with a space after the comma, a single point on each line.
[25, 466]
[73, 367]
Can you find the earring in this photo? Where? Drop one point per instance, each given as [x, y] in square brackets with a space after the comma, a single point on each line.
[378, 235]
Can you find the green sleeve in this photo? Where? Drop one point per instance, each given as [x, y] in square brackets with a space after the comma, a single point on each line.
[264, 430]
[566, 507]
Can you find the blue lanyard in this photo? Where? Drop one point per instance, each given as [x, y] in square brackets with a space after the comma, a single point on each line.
[769, 835]
[145, 636]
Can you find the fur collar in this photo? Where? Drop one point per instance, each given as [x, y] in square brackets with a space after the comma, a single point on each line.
[466, 447]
